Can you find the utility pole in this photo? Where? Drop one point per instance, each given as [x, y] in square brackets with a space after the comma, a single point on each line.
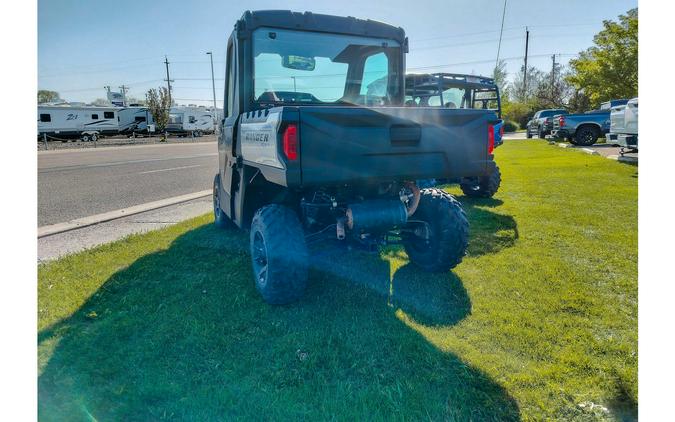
[527, 41]
[168, 80]
[213, 84]
[553, 78]
[124, 89]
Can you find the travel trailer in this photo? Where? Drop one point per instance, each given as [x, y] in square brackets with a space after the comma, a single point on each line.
[190, 120]
[68, 122]
[135, 120]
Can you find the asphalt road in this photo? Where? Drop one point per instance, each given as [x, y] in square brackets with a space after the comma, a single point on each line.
[84, 182]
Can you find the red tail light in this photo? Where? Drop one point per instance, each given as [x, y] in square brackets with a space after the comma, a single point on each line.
[491, 139]
[290, 142]
[561, 121]
[501, 130]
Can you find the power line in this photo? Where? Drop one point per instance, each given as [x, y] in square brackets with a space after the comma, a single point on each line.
[501, 31]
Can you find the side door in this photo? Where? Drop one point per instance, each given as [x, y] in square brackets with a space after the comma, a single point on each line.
[226, 142]
[532, 125]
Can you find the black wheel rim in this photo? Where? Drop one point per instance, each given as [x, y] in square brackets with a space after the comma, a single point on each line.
[259, 257]
[419, 243]
[588, 136]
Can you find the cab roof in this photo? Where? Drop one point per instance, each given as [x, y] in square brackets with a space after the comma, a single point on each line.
[308, 21]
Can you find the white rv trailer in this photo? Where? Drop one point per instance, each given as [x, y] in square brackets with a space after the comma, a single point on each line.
[65, 122]
[185, 120]
[134, 120]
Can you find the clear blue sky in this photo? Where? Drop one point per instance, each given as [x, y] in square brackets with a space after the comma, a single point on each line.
[85, 45]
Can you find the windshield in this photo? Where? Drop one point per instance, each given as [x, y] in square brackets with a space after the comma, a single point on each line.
[315, 68]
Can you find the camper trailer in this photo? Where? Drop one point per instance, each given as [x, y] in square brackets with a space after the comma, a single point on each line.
[68, 122]
[184, 121]
[135, 120]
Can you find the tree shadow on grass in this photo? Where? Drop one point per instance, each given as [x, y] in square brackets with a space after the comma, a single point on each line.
[183, 334]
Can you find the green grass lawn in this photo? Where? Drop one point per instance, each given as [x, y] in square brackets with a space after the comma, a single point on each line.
[539, 322]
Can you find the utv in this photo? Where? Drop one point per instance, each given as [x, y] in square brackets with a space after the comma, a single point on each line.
[316, 145]
[452, 90]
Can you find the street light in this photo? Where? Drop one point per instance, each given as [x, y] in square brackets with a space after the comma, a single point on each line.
[213, 84]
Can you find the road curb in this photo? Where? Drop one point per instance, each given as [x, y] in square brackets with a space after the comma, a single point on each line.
[53, 229]
[623, 159]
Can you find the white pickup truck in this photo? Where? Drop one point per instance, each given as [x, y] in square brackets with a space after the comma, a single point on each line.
[623, 129]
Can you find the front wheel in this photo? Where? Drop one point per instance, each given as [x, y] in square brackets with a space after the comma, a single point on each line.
[279, 254]
[528, 134]
[440, 243]
[483, 187]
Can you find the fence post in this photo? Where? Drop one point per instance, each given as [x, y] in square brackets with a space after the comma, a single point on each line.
[44, 138]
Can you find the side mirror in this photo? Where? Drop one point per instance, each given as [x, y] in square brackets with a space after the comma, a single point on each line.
[298, 62]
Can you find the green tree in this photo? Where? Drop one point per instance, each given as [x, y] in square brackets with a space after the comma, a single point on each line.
[45, 96]
[499, 74]
[609, 69]
[159, 105]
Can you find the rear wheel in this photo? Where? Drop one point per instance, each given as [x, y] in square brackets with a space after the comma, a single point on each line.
[85, 138]
[94, 137]
[442, 244]
[585, 136]
[279, 254]
[483, 187]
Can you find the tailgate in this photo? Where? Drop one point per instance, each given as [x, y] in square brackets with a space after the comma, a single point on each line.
[346, 144]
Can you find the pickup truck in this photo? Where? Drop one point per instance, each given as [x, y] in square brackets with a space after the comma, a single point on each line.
[459, 91]
[584, 128]
[624, 126]
[339, 161]
[541, 123]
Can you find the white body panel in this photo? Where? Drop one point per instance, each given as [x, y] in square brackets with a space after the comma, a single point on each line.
[258, 141]
[69, 120]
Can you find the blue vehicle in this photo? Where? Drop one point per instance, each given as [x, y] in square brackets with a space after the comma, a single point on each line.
[585, 128]
[458, 91]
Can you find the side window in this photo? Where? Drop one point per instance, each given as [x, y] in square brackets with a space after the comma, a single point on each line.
[375, 71]
[139, 119]
[230, 81]
[192, 119]
[45, 117]
[109, 114]
[94, 116]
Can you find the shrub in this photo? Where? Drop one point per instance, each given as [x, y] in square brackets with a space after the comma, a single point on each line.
[510, 126]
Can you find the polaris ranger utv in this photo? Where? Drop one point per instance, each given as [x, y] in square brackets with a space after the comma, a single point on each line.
[315, 144]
